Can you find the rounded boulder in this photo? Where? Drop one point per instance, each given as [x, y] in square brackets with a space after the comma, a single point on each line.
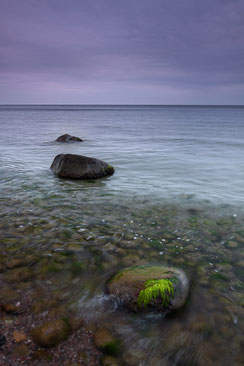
[80, 167]
[145, 288]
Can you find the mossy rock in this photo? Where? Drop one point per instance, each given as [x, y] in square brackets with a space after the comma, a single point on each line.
[51, 333]
[146, 288]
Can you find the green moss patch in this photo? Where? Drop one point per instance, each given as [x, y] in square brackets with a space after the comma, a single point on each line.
[155, 289]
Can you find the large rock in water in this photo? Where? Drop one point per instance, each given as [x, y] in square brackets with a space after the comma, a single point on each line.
[146, 288]
[68, 138]
[80, 167]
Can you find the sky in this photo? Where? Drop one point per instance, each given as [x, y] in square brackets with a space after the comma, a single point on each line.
[122, 52]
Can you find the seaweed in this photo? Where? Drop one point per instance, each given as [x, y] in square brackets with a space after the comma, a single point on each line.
[157, 288]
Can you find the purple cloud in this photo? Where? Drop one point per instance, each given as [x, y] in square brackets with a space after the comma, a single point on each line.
[106, 51]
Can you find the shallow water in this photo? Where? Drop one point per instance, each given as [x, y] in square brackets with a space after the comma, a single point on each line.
[176, 198]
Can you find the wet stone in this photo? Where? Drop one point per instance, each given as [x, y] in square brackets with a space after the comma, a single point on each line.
[18, 336]
[144, 288]
[8, 295]
[2, 340]
[18, 275]
[42, 355]
[68, 138]
[51, 333]
[133, 357]
[19, 262]
[21, 351]
[17, 308]
[109, 361]
[106, 342]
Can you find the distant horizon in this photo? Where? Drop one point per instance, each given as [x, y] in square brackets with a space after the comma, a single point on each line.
[123, 104]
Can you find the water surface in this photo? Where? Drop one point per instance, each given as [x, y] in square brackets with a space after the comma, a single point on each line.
[176, 198]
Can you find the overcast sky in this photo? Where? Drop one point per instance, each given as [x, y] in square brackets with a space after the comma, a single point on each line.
[122, 51]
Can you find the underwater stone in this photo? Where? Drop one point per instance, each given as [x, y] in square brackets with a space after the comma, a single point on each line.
[80, 167]
[109, 361]
[51, 333]
[105, 341]
[144, 288]
[19, 274]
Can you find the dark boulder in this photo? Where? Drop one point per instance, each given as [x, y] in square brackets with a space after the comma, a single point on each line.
[80, 167]
[67, 138]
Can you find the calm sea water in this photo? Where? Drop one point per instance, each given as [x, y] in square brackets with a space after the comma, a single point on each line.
[157, 151]
[176, 198]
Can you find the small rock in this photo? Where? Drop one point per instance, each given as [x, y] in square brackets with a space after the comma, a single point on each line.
[42, 355]
[19, 274]
[13, 308]
[106, 342]
[9, 295]
[201, 324]
[18, 336]
[109, 361]
[2, 340]
[18, 262]
[133, 357]
[67, 138]
[51, 333]
[76, 323]
[21, 350]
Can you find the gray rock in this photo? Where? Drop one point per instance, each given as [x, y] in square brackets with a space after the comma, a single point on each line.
[68, 138]
[80, 167]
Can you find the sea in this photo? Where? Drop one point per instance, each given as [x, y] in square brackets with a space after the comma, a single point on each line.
[176, 199]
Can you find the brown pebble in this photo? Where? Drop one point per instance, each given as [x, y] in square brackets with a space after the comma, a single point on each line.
[12, 308]
[18, 336]
[51, 333]
[21, 350]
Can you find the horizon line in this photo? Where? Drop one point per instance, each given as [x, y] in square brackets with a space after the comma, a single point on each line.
[149, 105]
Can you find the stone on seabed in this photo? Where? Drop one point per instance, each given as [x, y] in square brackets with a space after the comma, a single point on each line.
[51, 333]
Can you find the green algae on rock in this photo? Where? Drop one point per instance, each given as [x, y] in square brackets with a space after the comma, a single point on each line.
[156, 288]
[150, 288]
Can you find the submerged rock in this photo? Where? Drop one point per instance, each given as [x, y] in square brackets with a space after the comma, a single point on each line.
[42, 355]
[20, 274]
[150, 288]
[2, 340]
[51, 333]
[105, 341]
[109, 361]
[80, 167]
[17, 308]
[18, 336]
[67, 138]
